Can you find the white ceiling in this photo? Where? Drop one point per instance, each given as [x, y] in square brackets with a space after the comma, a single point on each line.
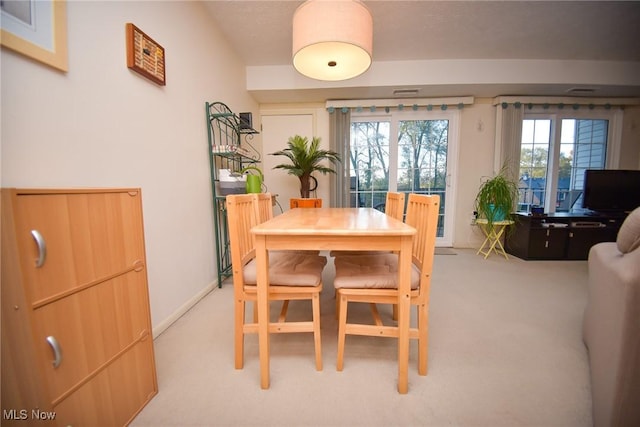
[260, 32]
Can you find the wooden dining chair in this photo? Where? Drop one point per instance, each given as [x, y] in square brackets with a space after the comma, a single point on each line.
[305, 203]
[292, 276]
[394, 205]
[265, 207]
[373, 279]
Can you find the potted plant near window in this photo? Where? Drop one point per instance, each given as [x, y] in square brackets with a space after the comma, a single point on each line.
[496, 198]
[305, 158]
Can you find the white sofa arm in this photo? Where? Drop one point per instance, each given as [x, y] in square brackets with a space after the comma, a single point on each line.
[611, 331]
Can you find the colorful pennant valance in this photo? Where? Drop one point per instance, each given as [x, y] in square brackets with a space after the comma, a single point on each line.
[406, 104]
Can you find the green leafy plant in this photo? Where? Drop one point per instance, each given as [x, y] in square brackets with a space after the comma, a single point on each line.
[496, 197]
[305, 158]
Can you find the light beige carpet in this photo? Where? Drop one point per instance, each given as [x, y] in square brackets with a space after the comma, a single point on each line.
[505, 350]
[445, 251]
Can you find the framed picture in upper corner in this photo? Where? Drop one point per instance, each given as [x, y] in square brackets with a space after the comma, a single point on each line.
[145, 55]
[36, 29]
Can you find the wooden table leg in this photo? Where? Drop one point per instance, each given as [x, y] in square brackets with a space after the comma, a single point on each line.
[404, 312]
[262, 265]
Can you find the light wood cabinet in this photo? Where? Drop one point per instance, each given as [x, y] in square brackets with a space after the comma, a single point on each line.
[76, 329]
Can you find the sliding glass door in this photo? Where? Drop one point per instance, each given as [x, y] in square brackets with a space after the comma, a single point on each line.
[410, 152]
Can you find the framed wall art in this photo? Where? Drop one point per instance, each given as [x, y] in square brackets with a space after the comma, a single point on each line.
[145, 55]
[37, 29]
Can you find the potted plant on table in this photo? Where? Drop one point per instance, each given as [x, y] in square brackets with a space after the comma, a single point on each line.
[496, 198]
[305, 158]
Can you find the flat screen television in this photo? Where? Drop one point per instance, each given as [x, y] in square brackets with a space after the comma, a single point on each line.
[611, 190]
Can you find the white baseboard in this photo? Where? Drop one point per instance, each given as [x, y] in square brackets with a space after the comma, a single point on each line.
[182, 310]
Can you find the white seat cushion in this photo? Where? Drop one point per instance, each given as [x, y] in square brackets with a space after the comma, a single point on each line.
[289, 269]
[371, 271]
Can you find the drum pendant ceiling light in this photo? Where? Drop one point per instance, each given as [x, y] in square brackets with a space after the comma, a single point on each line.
[332, 39]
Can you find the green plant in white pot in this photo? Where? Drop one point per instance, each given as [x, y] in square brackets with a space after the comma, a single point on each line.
[496, 197]
[305, 158]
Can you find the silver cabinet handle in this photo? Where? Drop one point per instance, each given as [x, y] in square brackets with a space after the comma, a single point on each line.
[42, 248]
[57, 351]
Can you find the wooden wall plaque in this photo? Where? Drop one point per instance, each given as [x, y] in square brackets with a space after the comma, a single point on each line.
[144, 55]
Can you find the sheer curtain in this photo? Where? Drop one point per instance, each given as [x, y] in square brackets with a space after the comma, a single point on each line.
[508, 139]
[340, 134]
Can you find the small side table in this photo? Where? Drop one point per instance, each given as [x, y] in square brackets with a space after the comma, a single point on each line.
[493, 240]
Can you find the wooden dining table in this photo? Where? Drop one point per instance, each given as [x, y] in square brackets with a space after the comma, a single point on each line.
[335, 229]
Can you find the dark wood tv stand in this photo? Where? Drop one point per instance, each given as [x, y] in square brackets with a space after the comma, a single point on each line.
[561, 236]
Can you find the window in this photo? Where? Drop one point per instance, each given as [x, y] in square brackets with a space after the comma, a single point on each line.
[555, 152]
[369, 156]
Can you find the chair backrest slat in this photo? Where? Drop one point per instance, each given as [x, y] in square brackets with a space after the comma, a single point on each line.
[422, 214]
[394, 205]
[242, 215]
[265, 207]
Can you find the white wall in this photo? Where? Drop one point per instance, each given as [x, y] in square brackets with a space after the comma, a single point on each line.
[475, 161]
[102, 125]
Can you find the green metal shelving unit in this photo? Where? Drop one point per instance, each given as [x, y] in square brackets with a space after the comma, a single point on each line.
[225, 132]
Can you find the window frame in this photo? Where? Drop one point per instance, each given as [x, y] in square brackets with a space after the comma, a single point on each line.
[614, 133]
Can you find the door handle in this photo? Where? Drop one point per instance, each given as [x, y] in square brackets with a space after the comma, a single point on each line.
[42, 248]
[57, 351]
